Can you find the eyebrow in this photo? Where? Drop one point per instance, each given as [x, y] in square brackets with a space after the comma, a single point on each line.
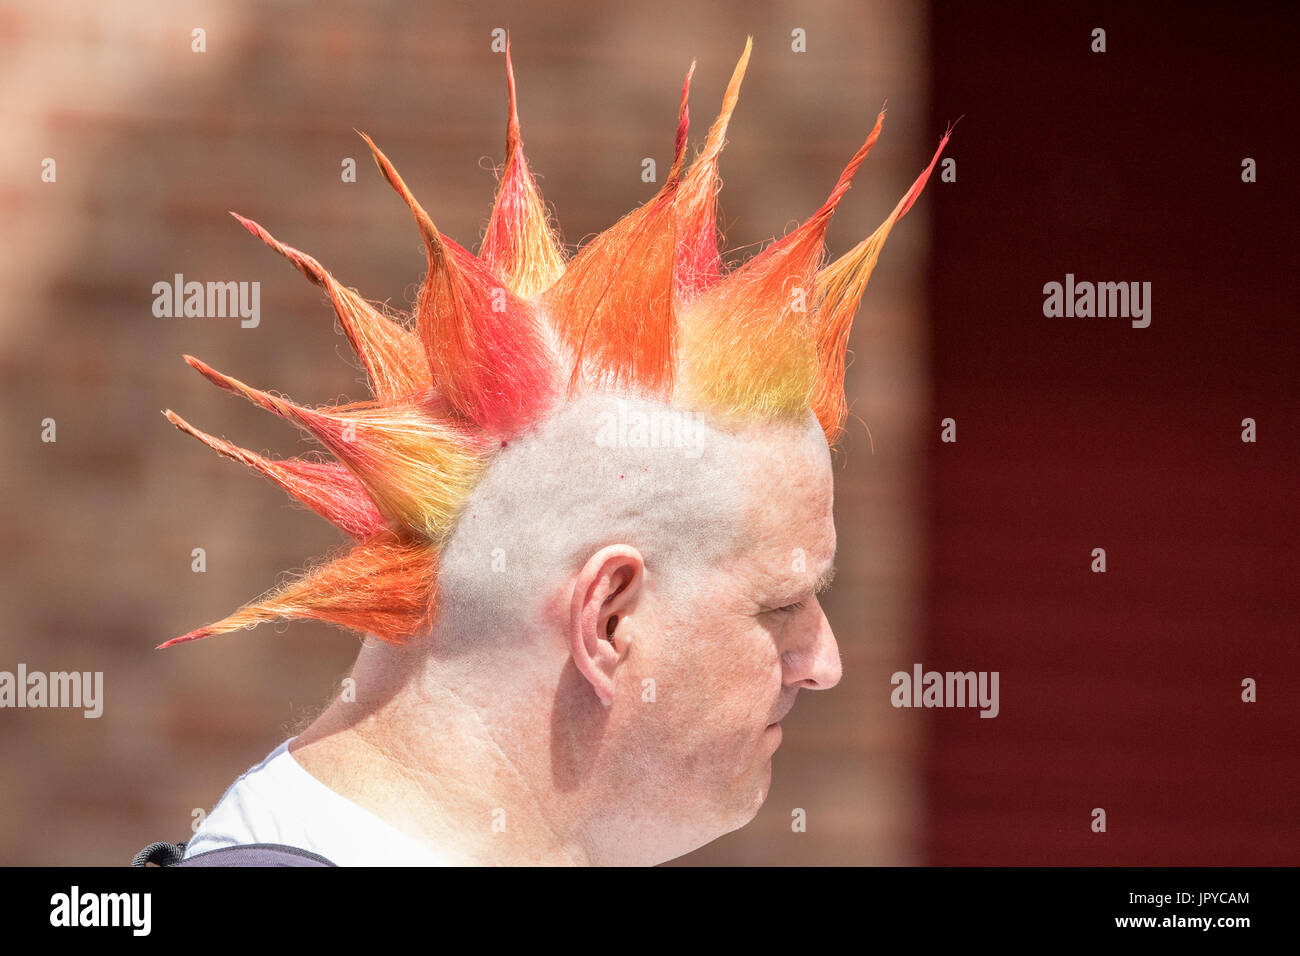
[825, 580]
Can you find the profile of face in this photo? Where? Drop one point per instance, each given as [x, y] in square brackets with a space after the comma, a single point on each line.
[700, 678]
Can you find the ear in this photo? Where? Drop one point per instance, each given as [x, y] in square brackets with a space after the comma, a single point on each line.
[608, 585]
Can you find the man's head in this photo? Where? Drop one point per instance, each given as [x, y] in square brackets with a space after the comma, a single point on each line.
[655, 604]
[594, 492]
[700, 680]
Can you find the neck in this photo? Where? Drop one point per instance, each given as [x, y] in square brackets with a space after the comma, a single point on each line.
[431, 752]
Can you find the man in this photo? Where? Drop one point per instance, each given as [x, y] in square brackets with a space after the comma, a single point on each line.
[592, 510]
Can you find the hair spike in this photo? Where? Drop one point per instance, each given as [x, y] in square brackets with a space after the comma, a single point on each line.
[392, 355]
[698, 265]
[383, 586]
[520, 244]
[497, 341]
[326, 488]
[683, 127]
[432, 238]
[613, 307]
[837, 291]
[484, 345]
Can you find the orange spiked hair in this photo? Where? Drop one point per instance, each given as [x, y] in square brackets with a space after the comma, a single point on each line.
[499, 339]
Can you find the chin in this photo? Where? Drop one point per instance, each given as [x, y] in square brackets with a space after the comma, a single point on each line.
[738, 808]
[764, 788]
[753, 795]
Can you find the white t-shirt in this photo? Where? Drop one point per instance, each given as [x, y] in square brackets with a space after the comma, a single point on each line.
[278, 801]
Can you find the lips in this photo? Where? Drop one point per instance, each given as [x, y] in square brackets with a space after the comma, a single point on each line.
[782, 715]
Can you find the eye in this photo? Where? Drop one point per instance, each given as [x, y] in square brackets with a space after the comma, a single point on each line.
[791, 608]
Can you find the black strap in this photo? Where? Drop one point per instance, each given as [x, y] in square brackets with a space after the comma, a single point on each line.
[163, 854]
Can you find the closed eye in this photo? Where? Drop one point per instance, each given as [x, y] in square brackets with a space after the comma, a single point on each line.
[790, 608]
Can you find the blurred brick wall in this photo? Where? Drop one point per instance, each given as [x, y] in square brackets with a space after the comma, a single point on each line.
[154, 143]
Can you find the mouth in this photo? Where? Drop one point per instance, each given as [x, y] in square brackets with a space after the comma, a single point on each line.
[785, 713]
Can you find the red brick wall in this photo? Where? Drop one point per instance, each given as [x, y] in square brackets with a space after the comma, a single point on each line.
[154, 143]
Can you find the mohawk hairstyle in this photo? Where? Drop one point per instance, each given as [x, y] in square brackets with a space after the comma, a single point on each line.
[498, 339]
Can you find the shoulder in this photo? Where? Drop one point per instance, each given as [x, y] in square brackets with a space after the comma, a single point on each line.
[279, 804]
[252, 810]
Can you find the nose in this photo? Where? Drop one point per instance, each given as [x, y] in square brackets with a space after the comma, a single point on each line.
[813, 661]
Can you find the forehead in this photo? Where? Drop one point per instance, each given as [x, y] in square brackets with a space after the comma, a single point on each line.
[789, 494]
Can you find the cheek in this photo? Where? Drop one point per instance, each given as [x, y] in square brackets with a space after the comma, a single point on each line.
[717, 682]
[756, 664]
[731, 676]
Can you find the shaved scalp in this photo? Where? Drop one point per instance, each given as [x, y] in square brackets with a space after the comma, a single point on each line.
[577, 483]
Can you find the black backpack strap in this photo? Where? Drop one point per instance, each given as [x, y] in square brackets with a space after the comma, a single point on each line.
[250, 854]
[163, 854]
[257, 854]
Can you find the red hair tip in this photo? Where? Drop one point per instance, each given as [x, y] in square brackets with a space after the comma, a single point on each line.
[248, 224]
[184, 638]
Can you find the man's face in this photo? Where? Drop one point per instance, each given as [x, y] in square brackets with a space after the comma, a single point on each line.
[728, 661]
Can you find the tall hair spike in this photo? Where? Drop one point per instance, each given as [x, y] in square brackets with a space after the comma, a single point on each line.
[813, 231]
[683, 127]
[392, 355]
[432, 238]
[836, 292]
[385, 586]
[698, 265]
[520, 243]
[485, 346]
[613, 307]
[327, 488]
